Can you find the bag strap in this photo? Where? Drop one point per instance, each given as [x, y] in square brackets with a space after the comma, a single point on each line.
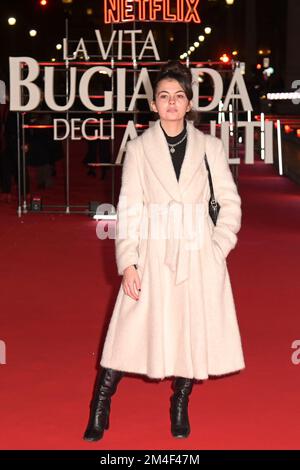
[210, 180]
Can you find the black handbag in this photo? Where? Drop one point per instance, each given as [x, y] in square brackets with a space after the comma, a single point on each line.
[213, 205]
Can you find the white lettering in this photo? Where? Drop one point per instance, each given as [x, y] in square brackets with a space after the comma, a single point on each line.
[17, 82]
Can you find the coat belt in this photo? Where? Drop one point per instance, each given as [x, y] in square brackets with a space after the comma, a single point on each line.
[180, 243]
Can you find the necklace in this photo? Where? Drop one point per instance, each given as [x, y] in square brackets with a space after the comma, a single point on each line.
[171, 146]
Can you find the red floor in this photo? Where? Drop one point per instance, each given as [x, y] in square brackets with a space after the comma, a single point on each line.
[59, 283]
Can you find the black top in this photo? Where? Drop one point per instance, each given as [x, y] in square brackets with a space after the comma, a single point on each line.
[178, 156]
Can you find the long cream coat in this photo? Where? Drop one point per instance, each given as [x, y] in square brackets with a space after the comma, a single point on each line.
[184, 323]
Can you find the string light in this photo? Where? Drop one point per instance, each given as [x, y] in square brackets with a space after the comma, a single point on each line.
[200, 39]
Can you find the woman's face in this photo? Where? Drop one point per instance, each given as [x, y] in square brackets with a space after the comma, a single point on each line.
[171, 102]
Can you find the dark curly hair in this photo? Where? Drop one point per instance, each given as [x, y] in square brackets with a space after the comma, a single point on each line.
[175, 70]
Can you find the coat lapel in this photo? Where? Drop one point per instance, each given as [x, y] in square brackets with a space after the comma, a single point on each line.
[158, 154]
[194, 157]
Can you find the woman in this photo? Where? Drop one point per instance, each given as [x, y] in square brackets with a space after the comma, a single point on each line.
[174, 314]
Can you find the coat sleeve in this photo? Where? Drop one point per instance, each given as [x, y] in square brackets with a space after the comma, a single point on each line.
[129, 211]
[229, 218]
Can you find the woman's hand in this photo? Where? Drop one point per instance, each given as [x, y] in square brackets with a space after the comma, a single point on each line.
[131, 282]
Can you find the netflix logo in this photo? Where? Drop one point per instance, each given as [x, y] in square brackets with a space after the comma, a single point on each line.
[119, 11]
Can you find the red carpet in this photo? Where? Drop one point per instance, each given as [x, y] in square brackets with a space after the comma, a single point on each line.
[58, 287]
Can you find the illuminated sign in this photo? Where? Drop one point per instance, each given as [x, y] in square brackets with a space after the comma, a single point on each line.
[24, 71]
[182, 11]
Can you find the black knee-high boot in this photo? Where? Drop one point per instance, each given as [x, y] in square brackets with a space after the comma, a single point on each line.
[105, 386]
[180, 426]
